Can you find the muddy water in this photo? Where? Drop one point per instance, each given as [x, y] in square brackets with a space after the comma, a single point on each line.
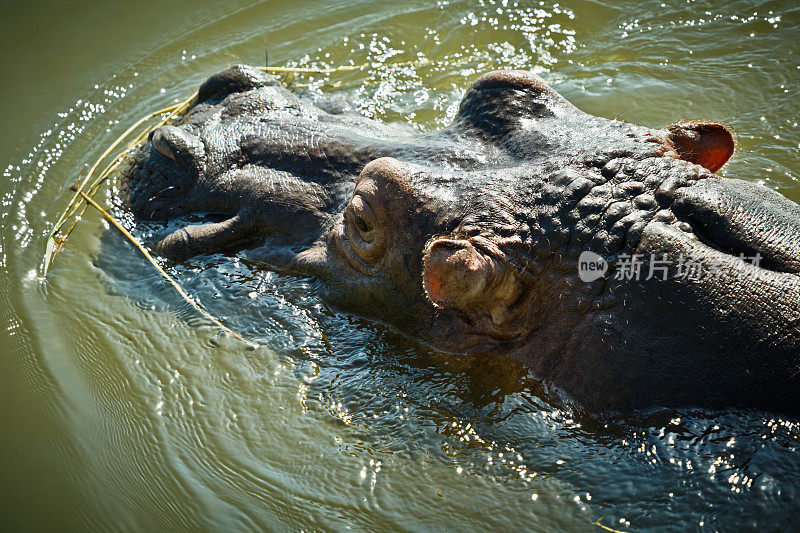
[121, 408]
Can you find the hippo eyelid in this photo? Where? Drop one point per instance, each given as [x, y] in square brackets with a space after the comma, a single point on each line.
[365, 227]
[365, 216]
[363, 230]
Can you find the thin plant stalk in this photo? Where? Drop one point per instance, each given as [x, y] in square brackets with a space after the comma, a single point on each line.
[92, 189]
[146, 254]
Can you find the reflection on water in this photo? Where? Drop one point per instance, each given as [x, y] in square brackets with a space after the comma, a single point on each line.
[123, 407]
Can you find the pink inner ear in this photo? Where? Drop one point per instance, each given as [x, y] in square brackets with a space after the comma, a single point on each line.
[434, 288]
[705, 143]
[453, 273]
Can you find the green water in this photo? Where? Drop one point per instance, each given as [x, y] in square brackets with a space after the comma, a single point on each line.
[120, 408]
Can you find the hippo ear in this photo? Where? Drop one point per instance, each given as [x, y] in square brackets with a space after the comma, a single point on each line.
[707, 144]
[460, 275]
[497, 101]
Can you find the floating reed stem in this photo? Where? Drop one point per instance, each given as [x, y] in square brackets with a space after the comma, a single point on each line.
[73, 206]
[605, 527]
[303, 70]
[146, 254]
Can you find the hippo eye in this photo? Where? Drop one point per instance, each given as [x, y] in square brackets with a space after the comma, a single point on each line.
[361, 224]
[363, 229]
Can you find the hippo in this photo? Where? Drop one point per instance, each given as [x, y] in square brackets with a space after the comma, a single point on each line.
[608, 258]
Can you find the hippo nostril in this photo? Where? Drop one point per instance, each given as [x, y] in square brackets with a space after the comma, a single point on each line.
[161, 143]
[178, 145]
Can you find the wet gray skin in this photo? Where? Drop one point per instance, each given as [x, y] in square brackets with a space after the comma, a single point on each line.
[468, 239]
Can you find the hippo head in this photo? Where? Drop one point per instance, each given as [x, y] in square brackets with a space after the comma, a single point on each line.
[608, 257]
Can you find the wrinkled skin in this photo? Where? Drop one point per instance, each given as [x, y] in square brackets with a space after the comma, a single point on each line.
[468, 238]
